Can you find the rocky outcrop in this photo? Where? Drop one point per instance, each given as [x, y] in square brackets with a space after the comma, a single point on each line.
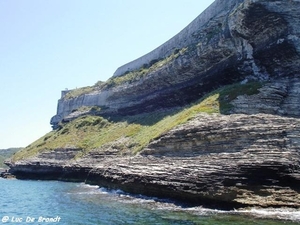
[7, 175]
[230, 42]
[235, 160]
[279, 97]
[220, 161]
[214, 160]
[247, 158]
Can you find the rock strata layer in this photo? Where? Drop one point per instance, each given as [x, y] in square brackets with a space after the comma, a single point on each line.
[214, 160]
[248, 158]
[280, 97]
[231, 41]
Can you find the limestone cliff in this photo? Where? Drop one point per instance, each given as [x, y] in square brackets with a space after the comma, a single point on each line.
[231, 41]
[154, 129]
[215, 160]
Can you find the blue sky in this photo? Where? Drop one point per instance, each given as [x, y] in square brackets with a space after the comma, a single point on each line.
[49, 45]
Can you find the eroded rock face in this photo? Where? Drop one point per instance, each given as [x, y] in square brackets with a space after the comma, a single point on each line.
[214, 160]
[248, 158]
[247, 39]
[279, 97]
[223, 161]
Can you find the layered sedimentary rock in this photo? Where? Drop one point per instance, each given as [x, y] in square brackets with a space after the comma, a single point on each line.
[231, 41]
[280, 97]
[249, 157]
[214, 160]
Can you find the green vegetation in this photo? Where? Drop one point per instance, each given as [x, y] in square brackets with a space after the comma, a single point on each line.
[79, 91]
[231, 92]
[135, 75]
[6, 154]
[84, 90]
[93, 132]
[129, 77]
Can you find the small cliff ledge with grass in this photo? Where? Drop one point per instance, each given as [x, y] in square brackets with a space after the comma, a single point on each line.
[211, 117]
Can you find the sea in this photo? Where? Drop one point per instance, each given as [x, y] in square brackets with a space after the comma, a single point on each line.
[59, 203]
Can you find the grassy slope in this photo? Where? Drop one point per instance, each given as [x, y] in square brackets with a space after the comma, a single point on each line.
[92, 132]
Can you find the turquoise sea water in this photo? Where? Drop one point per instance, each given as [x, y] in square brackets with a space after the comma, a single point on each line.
[54, 202]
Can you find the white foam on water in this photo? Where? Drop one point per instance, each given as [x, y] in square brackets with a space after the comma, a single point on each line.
[86, 189]
[103, 190]
[282, 213]
[154, 203]
[83, 185]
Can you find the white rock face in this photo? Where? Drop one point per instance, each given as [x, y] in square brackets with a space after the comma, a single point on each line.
[231, 41]
[183, 38]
